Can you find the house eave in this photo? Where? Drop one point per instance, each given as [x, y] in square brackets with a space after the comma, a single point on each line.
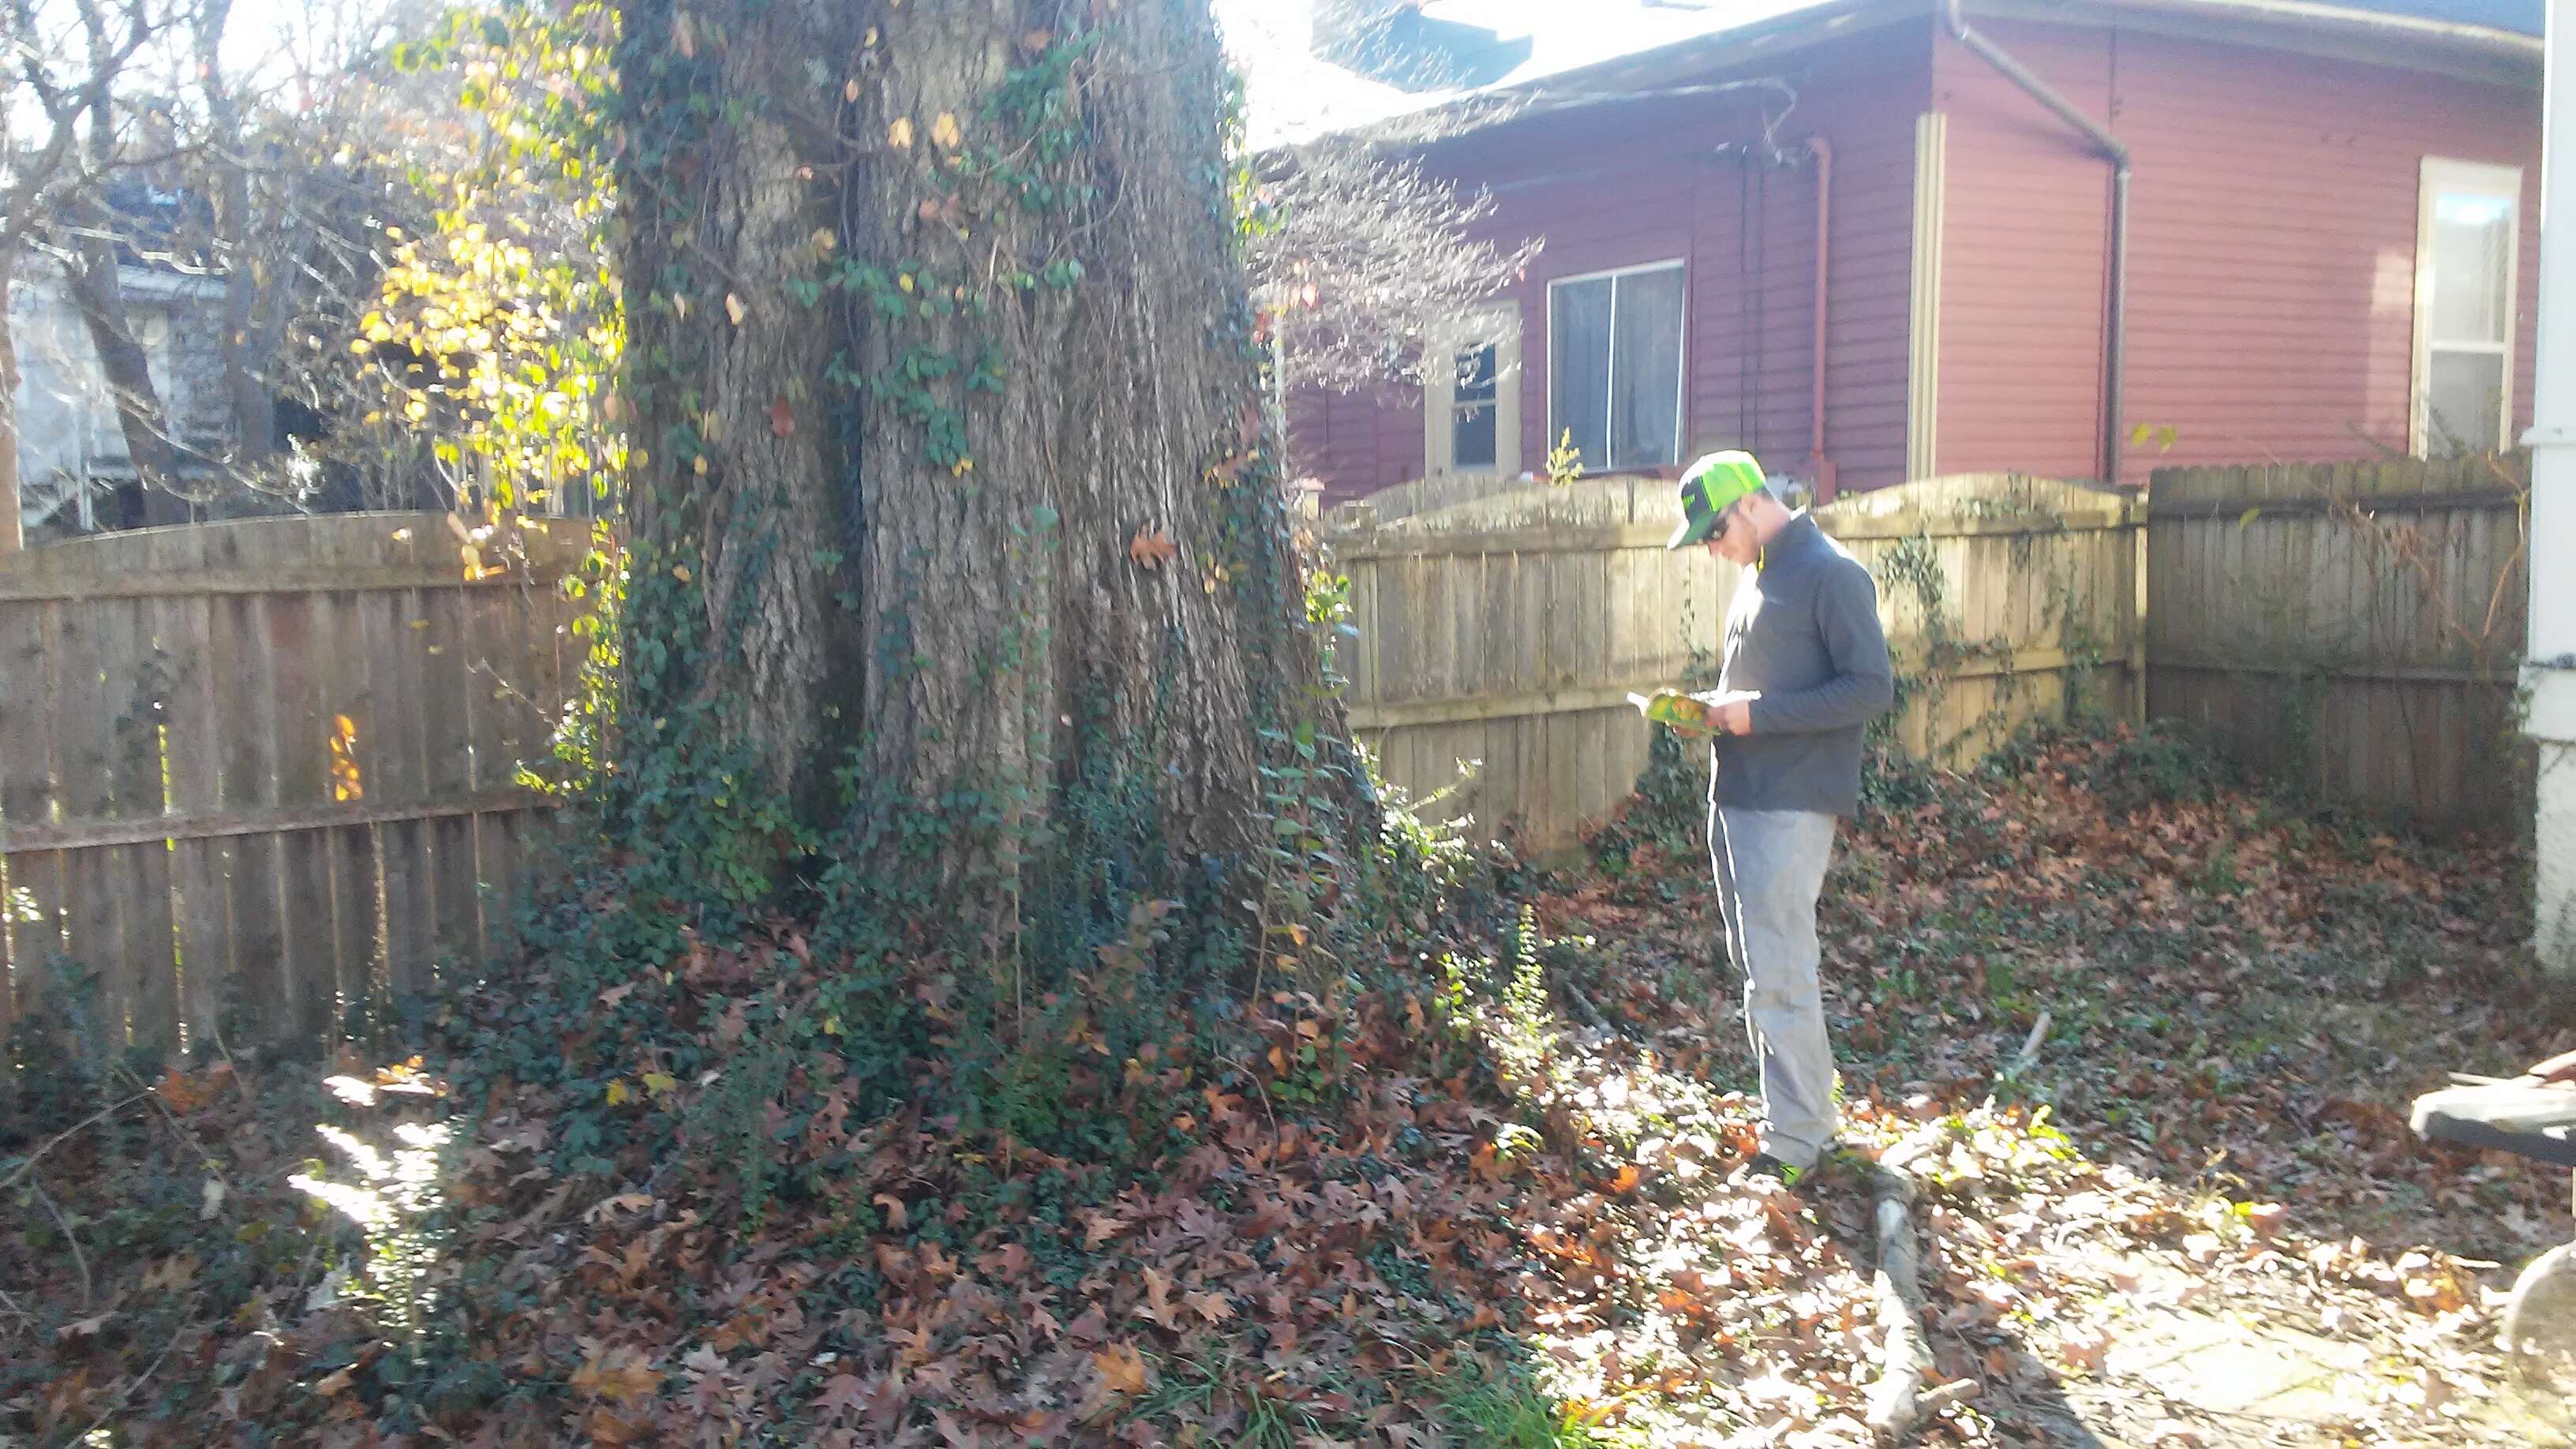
[1741, 45]
[2444, 34]
[2406, 41]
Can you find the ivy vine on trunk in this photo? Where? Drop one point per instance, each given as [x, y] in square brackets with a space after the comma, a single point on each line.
[953, 515]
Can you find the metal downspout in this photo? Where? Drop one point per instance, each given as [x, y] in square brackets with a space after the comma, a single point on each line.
[2115, 325]
[1817, 462]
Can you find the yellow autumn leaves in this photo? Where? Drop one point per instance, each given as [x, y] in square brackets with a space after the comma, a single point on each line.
[945, 133]
[493, 352]
[655, 1085]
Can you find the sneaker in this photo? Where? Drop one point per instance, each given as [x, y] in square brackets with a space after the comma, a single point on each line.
[1763, 1164]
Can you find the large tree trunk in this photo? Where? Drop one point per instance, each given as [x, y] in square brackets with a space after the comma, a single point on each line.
[1027, 554]
[736, 505]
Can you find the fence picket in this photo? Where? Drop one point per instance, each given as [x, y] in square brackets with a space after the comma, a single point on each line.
[2311, 644]
[170, 808]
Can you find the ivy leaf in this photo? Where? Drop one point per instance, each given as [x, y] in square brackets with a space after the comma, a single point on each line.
[1151, 548]
[782, 418]
[899, 134]
[734, 308]
[946, 131]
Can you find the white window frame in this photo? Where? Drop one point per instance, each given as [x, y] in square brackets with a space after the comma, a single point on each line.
[1500, 326]
[2442, 174]
[1681, 351]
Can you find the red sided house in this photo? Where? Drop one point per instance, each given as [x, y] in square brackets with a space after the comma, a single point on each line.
[1875, 240]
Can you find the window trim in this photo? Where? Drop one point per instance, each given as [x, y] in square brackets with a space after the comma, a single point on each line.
[1681, 351]
[2437, 174]
[1499, 325]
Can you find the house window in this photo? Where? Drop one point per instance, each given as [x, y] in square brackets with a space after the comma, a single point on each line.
[1614, 366]
[1471, 408]
[1471, 396]
[2466, 243]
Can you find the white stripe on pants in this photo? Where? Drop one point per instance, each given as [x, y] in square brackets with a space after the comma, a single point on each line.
[1770, 865]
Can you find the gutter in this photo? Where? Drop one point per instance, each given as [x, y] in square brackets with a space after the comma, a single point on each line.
[2115, 326]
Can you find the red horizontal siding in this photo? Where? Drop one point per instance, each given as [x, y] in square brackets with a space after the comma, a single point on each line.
[1623, 185]
[2272, 247]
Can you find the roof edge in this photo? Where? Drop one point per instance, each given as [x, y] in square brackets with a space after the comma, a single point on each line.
[1787, 30]
[1797, 28]
[2346, 17]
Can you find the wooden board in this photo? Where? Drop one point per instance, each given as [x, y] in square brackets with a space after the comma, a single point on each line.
[183, 812]
[2354, 626]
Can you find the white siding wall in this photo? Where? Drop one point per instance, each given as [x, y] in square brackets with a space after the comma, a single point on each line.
[67, 427]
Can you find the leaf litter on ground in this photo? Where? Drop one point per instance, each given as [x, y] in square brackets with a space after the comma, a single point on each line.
[2150, 1056]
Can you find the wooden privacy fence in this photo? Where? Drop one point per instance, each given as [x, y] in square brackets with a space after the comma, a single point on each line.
[2357, 626]
[1508, 630]
[254, 773]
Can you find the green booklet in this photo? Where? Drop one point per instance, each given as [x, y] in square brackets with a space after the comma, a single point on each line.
[1676, 711]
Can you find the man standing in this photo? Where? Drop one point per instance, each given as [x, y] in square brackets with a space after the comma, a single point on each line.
[1805, 667]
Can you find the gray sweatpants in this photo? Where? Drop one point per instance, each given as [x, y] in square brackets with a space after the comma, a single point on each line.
[1770, 865]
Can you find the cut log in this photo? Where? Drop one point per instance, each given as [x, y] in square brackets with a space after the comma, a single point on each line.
[1896, 1401]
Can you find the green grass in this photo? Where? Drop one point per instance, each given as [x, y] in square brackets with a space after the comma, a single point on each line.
[1509, 1412]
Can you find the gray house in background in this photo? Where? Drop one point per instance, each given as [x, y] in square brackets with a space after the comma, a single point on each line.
[73, 472]
[74, 475]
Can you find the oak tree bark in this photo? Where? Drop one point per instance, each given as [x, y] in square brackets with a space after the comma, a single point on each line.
[942, 363]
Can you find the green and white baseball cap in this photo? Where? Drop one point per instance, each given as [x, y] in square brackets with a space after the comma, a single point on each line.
[1709, 486]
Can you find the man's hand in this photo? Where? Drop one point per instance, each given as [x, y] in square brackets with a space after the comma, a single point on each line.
[1730, 712]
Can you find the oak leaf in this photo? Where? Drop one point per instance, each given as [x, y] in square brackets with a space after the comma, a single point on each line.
[842, 1394]
[1122, 1368]
[619, 1375]
[1151, 548]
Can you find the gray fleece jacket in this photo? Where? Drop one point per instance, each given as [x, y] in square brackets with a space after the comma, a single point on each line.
[1803, 633]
